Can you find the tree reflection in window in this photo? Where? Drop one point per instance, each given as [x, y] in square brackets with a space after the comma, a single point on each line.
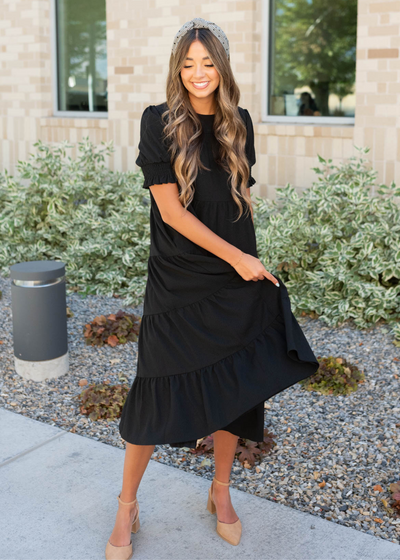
[312, 57]
[81, 55]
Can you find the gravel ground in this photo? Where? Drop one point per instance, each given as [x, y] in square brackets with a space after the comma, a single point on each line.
[351, 443]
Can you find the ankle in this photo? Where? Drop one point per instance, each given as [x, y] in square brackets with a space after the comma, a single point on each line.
[127, 498]
[221, 482]
[127, 509]
[218, 490]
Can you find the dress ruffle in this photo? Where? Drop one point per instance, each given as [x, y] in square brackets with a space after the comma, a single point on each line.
[211, 397]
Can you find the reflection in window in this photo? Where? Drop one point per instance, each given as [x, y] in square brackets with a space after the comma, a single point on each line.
[81, 55]
[312, 57]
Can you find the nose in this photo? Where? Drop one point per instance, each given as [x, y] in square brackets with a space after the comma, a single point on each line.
[199, 74]
[200, 79]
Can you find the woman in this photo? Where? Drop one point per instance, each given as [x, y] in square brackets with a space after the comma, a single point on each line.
[217, 336]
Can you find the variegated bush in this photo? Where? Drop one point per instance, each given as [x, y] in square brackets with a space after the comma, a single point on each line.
[80, 212]
[337, 245]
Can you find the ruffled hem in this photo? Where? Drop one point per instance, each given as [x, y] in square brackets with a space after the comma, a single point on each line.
[185, 407]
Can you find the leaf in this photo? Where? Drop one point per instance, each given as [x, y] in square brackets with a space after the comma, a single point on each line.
[112, 340]
[394, 487]
[100, 320]
[249, 452]
[207, 444]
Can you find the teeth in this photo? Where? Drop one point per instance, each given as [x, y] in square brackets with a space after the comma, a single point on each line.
[201, 85]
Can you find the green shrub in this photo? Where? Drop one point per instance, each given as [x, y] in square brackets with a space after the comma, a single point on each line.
[336, 247]
[396, 332]
[103, 400]
[79, 212]
[115, 329]
[335, 376]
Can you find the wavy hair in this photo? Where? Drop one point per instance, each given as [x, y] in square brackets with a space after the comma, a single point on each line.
[183, 129]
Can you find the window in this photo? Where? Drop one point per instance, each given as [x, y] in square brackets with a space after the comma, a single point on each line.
[311, 60]
[81, 57]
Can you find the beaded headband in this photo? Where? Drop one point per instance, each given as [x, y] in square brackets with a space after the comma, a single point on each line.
[198, 23]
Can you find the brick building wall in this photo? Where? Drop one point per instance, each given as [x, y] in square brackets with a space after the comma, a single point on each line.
[139, 39]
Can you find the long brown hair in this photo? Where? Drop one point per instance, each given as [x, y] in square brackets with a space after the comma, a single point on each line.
[183, 128]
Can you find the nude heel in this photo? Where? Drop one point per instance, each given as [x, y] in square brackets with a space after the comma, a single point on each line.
[230, 532]
[210, 504]
[123, 552]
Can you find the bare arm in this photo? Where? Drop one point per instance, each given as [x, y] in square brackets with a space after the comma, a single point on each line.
[173, 214]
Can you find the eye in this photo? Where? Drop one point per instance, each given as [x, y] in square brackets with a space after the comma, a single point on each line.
[209, 65]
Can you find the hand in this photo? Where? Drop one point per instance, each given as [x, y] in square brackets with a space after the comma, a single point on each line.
[251, 268]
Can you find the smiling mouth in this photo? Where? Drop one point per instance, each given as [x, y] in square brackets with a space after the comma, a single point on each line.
[200, 85]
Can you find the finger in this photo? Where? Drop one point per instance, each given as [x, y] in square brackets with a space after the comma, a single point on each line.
[267, 274]
[271, 278]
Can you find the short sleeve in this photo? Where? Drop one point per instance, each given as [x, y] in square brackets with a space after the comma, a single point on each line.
[154, 158]
[249, 147]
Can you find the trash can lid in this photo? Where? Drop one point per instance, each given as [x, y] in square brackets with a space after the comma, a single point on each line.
[37, 270]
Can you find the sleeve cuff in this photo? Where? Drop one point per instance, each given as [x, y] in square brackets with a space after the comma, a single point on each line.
[251, 182]
[158, 173]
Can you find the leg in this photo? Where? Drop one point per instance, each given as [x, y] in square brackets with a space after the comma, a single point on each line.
[224, 452]
[135, 463]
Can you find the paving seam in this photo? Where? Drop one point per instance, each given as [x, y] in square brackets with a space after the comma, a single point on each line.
[30, 449]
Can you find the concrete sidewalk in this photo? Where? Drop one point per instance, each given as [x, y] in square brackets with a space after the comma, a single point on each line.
[59, 499]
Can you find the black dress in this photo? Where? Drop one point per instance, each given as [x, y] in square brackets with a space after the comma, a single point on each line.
[212, 346]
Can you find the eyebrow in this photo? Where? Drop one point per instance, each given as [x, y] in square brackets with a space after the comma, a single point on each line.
[204, 58]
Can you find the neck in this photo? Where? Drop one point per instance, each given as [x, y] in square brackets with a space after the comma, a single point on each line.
[203, 106]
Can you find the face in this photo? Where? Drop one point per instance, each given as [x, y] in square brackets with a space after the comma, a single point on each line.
[199, 76]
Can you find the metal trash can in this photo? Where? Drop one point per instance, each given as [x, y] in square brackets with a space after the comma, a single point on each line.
[39, 313]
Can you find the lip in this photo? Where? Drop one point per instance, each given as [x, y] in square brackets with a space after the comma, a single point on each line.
[200, 87]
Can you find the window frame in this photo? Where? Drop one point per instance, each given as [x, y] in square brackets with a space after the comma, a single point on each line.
[54, 75]
[265, 62]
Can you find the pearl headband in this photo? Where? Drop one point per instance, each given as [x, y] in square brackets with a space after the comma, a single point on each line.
[198, 23]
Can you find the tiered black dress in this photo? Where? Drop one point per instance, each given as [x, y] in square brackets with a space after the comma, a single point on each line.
[212, 346]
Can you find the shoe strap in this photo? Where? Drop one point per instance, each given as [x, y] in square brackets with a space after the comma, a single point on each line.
[126, 503]
[223, 483]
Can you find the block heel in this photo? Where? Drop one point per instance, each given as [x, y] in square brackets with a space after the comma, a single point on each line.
[210, 504]
[230, 532]
[113, 552]
[136, 524]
